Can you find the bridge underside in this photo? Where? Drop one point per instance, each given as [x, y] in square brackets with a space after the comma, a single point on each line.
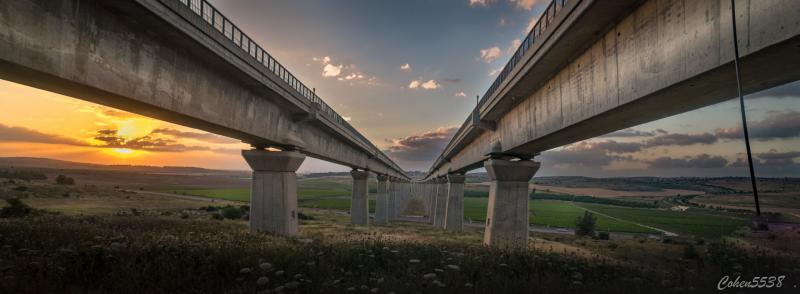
[663, 58]
[149, 59]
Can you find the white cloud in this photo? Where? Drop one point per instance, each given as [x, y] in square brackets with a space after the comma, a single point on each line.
[525, 4]
[405, 67]
[490, 54]
[531, 23]
[352, 76]
[513, 47]
[484, 3]
[414, 84]
[324, 60]
[461, 94]
[347, 118]
[495, 71]
[430, 85]
[331, 70]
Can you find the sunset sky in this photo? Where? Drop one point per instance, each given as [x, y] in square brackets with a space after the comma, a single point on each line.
[406, 74]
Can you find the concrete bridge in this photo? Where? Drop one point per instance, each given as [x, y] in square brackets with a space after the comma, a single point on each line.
[587, 68]
[590, 67]
[183, 62]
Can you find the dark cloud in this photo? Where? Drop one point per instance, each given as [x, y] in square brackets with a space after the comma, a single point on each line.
[19, 134]
[422, 148]
[681, 140]
[628, 133]
[206, 137]
[780, 125]
[591, 154]
[699, 161]
[790, 90]
[111, 140]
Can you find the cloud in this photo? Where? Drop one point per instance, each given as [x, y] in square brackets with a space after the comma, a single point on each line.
[790, 90]
[780, 125]
[20, 134]
[628, 133]
[502, 22]
[405, 67]
[681, 140]
[430, 85]
[205, 137]
[531, 23]
[347, 118]
[524, 4]
[490, 54]
[483, 3]
[461, 94]
[699, 161]
[330, 70]
[422, 147]
[513, 47]
[495, 71]
[590, 154]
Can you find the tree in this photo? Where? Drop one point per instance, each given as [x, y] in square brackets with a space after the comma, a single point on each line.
[584, 225]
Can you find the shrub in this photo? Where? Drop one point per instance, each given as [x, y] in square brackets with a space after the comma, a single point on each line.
[304, 216]
[20, 188]
[603, 236]
[217, 216]
[64, 180]
[689, 252]
[15, 208]
[231, 212]
[584, 225]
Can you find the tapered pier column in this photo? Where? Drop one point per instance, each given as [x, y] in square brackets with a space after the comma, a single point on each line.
[454, 217]
[273, 194]
[359, 204]
[382, 201]
[441, 203]
[507, 215]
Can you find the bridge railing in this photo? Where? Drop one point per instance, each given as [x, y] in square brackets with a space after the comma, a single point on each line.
[536, 31]
[214, 18]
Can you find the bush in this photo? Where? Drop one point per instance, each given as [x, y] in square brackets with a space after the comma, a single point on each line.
[64, 180]
[603, 236]
[231, 212]
[217, 216]
[20, 188]
[304, 216]
[15, 208]
[584, 225]
[689, 252]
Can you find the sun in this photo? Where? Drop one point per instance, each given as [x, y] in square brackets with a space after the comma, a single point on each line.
[124, 151]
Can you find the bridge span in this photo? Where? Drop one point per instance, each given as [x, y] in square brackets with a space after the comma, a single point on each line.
[590, 67]
[184, 62]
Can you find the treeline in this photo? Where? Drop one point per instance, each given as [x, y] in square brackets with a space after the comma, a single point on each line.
[24, 175]
[590, 199]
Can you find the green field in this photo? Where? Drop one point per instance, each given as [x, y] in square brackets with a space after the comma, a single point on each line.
[335, 194]
[552, 213]
[701, 224]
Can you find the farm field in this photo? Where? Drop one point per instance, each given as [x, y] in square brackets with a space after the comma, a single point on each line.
[690, 222]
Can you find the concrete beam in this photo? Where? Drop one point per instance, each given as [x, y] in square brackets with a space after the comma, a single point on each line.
[507, 217]
[273, 196]
[359, 203]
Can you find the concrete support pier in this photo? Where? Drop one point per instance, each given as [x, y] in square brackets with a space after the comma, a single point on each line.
[430, 197]
[359, 204]
[507, 213]
[441, 203]
[382, 201]
[392, 188]
[273, 195]
[454, 216]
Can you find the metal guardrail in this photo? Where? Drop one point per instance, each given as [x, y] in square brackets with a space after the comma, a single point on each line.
[214, 18]
[538, 29]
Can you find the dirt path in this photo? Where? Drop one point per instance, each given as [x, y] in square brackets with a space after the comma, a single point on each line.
[666, 233]
[187, 197]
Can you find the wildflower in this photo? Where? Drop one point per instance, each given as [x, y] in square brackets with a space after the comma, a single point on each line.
[453, 267]
[429, 276]
[262, 281]
[438, 270]
[246, 270]
[468, 285]
[351, 289]
[413, 260]
[266, 266]
[279, 273]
